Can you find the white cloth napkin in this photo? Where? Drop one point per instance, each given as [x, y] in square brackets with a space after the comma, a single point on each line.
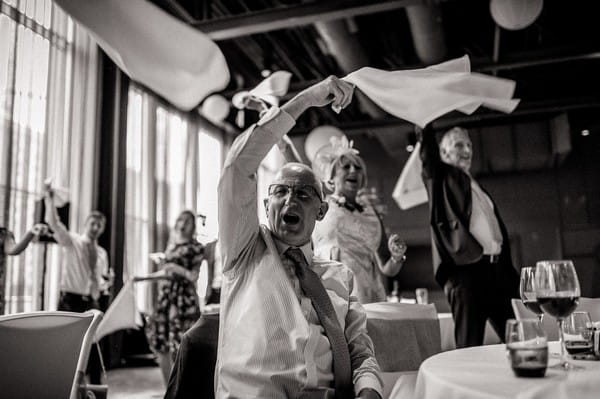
[422, 95]
[410, 190]
[173, 59]
[269, 90]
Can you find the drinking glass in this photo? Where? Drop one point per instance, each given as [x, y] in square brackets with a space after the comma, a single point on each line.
[577, 330]
[527, 291]
[557, 291]
[527, 347]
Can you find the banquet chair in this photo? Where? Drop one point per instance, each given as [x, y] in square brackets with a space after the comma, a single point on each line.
[45, 354]
[590, 305]
[548, 322]
[404, 335]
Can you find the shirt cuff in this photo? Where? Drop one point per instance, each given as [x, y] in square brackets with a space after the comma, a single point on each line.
[368, 381]
[277, 120]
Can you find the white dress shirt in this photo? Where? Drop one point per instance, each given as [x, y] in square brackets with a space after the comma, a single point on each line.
[76, 273]
[271, 344]
[484, 224]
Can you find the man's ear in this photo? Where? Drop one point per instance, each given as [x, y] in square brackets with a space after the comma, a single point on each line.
[322, 210]
[266, 202]
[443, 153]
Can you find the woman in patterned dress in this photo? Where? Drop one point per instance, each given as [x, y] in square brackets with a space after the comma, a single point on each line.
[352, 231]
[177, 307]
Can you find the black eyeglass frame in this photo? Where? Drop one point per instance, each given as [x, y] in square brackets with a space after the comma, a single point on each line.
[314, 193]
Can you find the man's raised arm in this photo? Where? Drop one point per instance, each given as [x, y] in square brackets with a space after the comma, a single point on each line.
[430, 151]
[238, 220]
[61, 234]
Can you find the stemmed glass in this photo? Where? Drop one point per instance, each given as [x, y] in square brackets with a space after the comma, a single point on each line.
[527, 291]
[557, 291]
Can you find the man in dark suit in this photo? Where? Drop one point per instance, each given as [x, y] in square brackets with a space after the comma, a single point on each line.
[193, 372]
[471, 248]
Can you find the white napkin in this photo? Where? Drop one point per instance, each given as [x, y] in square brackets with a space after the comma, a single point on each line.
[410, 190]
[269, 90]
[173, 59]
[422, 95]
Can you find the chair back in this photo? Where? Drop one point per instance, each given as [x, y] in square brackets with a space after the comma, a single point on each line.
[44, 354]
[403, 334]
[590, 305]
[548, 322]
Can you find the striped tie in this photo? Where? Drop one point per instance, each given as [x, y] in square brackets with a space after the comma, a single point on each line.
[313, 288]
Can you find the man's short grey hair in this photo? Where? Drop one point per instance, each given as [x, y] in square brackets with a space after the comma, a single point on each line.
[457, 130]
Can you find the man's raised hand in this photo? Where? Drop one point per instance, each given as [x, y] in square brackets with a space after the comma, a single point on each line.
[330, 90]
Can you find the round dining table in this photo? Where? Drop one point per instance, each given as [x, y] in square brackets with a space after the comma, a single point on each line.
[484, 372]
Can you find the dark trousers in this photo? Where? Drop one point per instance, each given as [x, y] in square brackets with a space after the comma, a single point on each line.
[80, 303]
[479, 292]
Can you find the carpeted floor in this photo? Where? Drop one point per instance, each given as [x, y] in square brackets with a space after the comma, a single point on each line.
[135, 383]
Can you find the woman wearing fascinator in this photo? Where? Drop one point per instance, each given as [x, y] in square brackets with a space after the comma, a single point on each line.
[352, 231]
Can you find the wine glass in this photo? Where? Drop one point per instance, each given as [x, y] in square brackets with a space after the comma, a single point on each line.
[557, 291]
[527, 291]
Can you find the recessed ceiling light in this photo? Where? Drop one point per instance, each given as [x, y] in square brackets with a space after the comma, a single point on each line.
[585, 132]
[410, 148]
[265, 73]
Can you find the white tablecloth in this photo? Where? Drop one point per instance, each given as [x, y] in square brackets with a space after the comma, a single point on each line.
[484, 372]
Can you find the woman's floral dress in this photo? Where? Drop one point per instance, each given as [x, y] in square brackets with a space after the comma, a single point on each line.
[177, 308]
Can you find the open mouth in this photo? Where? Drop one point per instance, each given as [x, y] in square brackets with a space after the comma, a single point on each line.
[290, 218]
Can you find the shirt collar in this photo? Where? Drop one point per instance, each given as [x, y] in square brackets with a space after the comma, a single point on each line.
[282, 247]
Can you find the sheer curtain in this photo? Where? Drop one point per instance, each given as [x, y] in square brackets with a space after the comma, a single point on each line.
[173, 163]
[48, 75]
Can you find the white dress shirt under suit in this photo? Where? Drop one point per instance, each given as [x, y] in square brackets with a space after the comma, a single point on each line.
[271, 344]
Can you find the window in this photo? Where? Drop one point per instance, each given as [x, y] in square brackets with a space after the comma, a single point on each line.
[38, 68]
[173, 164]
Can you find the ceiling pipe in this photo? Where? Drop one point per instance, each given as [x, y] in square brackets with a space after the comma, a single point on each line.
[350, 56]
[426, 28]
[425, 21]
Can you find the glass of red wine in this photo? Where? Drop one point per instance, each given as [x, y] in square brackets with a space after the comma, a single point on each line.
[557, 291]
[527, 291]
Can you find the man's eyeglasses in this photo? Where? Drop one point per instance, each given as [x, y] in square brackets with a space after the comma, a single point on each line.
[302, 191]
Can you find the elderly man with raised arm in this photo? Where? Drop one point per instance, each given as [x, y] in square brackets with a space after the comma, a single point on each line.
[289, 327]
[471, 249]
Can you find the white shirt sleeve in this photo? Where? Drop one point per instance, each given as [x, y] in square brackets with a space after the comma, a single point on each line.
[238, 219]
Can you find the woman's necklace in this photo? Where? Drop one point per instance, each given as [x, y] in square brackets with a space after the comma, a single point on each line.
[343, 201]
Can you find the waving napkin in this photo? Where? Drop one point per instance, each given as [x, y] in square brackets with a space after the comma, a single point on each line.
[410, 190]
[422, 95]
[266, 94]
[175, 60]
[121, 314]
[269, 90]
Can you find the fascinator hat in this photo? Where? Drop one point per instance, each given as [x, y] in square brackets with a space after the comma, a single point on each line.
[328, 157]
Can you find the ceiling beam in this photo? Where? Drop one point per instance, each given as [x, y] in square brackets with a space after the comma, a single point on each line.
[296, 15]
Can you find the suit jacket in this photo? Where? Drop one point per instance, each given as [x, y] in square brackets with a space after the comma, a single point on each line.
[450, 200]
[193, 372]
